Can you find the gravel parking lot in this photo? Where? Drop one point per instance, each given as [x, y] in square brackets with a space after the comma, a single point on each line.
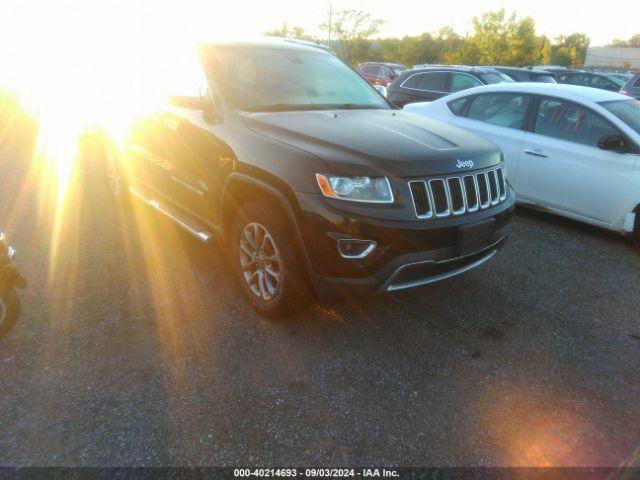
[136, 348]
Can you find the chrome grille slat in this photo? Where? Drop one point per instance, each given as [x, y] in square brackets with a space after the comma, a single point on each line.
[441, 200]
[458, 194]
[494, 189]
[422, 202]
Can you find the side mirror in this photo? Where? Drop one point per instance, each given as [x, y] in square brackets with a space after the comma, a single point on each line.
[381, 90]
[614, 143]
[205, 104]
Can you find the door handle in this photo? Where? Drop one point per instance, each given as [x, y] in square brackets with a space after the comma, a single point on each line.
[536, 153]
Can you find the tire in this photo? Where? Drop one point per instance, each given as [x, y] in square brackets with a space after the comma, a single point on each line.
[9, 310]
[636, 233]
[270, 270]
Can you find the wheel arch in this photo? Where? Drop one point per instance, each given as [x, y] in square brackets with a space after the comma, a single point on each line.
[240, 189]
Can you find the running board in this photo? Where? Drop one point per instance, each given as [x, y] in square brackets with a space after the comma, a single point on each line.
[188, 225]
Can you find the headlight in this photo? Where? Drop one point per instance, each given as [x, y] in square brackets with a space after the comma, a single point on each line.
[356, 189]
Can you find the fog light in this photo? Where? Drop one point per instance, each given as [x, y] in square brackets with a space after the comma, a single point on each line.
[352, 248]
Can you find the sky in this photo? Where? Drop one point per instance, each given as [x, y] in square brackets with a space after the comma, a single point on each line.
[85, 52]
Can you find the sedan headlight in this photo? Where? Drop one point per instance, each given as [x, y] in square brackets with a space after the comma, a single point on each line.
[356, 189]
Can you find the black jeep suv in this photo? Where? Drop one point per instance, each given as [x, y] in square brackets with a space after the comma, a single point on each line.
[315, 184]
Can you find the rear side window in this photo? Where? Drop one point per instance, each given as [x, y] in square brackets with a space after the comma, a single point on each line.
[571, 122]
[604, 83]
[636, 84]
[544, 79]
[431, 81]
[503, 109]
[456, 106]
[460, 81]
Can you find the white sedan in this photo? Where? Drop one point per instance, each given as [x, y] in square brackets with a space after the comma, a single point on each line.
[568, 149]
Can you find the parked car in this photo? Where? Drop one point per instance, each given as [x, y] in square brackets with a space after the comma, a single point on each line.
[632, 87]
[527, 74]
[602, 81]
[381, 74]
[568, 149]
[431, 83]
[312, 180]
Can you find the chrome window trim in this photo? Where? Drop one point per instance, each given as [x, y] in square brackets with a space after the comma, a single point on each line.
[451, 72]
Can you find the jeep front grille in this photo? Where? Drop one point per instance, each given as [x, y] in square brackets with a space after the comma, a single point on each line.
[458, 194]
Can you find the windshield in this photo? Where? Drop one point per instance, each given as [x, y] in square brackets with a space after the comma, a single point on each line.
[261, 79]
[626, 110]
[490, 78]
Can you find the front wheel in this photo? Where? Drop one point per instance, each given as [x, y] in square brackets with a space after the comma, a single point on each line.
[268, 262]
[9, 309]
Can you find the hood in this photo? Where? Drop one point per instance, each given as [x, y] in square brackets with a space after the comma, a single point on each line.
[378, 142]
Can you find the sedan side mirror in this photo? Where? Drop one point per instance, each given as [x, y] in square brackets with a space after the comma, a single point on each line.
[614, 143]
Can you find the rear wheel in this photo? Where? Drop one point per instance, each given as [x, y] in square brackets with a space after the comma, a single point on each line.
[267, 261]
[9, 309]
[636, 233]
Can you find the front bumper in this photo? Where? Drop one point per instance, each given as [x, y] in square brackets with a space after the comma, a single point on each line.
[408, 253]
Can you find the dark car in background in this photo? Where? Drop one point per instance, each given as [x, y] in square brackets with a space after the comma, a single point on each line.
[312, 180]
[381, 74]
[528, 74]
[602, 81]
[426, 84]
[632, 87]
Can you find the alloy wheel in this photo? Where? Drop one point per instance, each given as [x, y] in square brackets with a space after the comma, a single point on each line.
[260, 261]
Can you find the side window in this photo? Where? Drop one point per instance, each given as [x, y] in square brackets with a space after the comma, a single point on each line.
[456, 106]
[602, 82]
[413, 80]
[460, 81]
[385, 72]
[375, 70]
[433, 81]
[503, 109]
[636, 84]
[571, 122]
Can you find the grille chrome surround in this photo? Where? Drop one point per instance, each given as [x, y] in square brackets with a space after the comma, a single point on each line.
[454, 195]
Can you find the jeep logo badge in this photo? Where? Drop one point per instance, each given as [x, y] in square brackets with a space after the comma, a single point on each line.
[464, 164]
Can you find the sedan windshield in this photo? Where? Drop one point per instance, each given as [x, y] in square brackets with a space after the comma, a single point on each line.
[267, 79]
[490, 78]
[626, 110]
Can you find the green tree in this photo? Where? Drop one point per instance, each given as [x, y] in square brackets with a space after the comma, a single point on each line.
[570, 50]
[353, 28]
[290, 32]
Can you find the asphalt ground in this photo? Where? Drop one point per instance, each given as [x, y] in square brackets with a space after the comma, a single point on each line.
[136, 347]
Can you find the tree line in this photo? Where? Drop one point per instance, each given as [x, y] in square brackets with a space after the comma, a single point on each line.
[495, 39]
